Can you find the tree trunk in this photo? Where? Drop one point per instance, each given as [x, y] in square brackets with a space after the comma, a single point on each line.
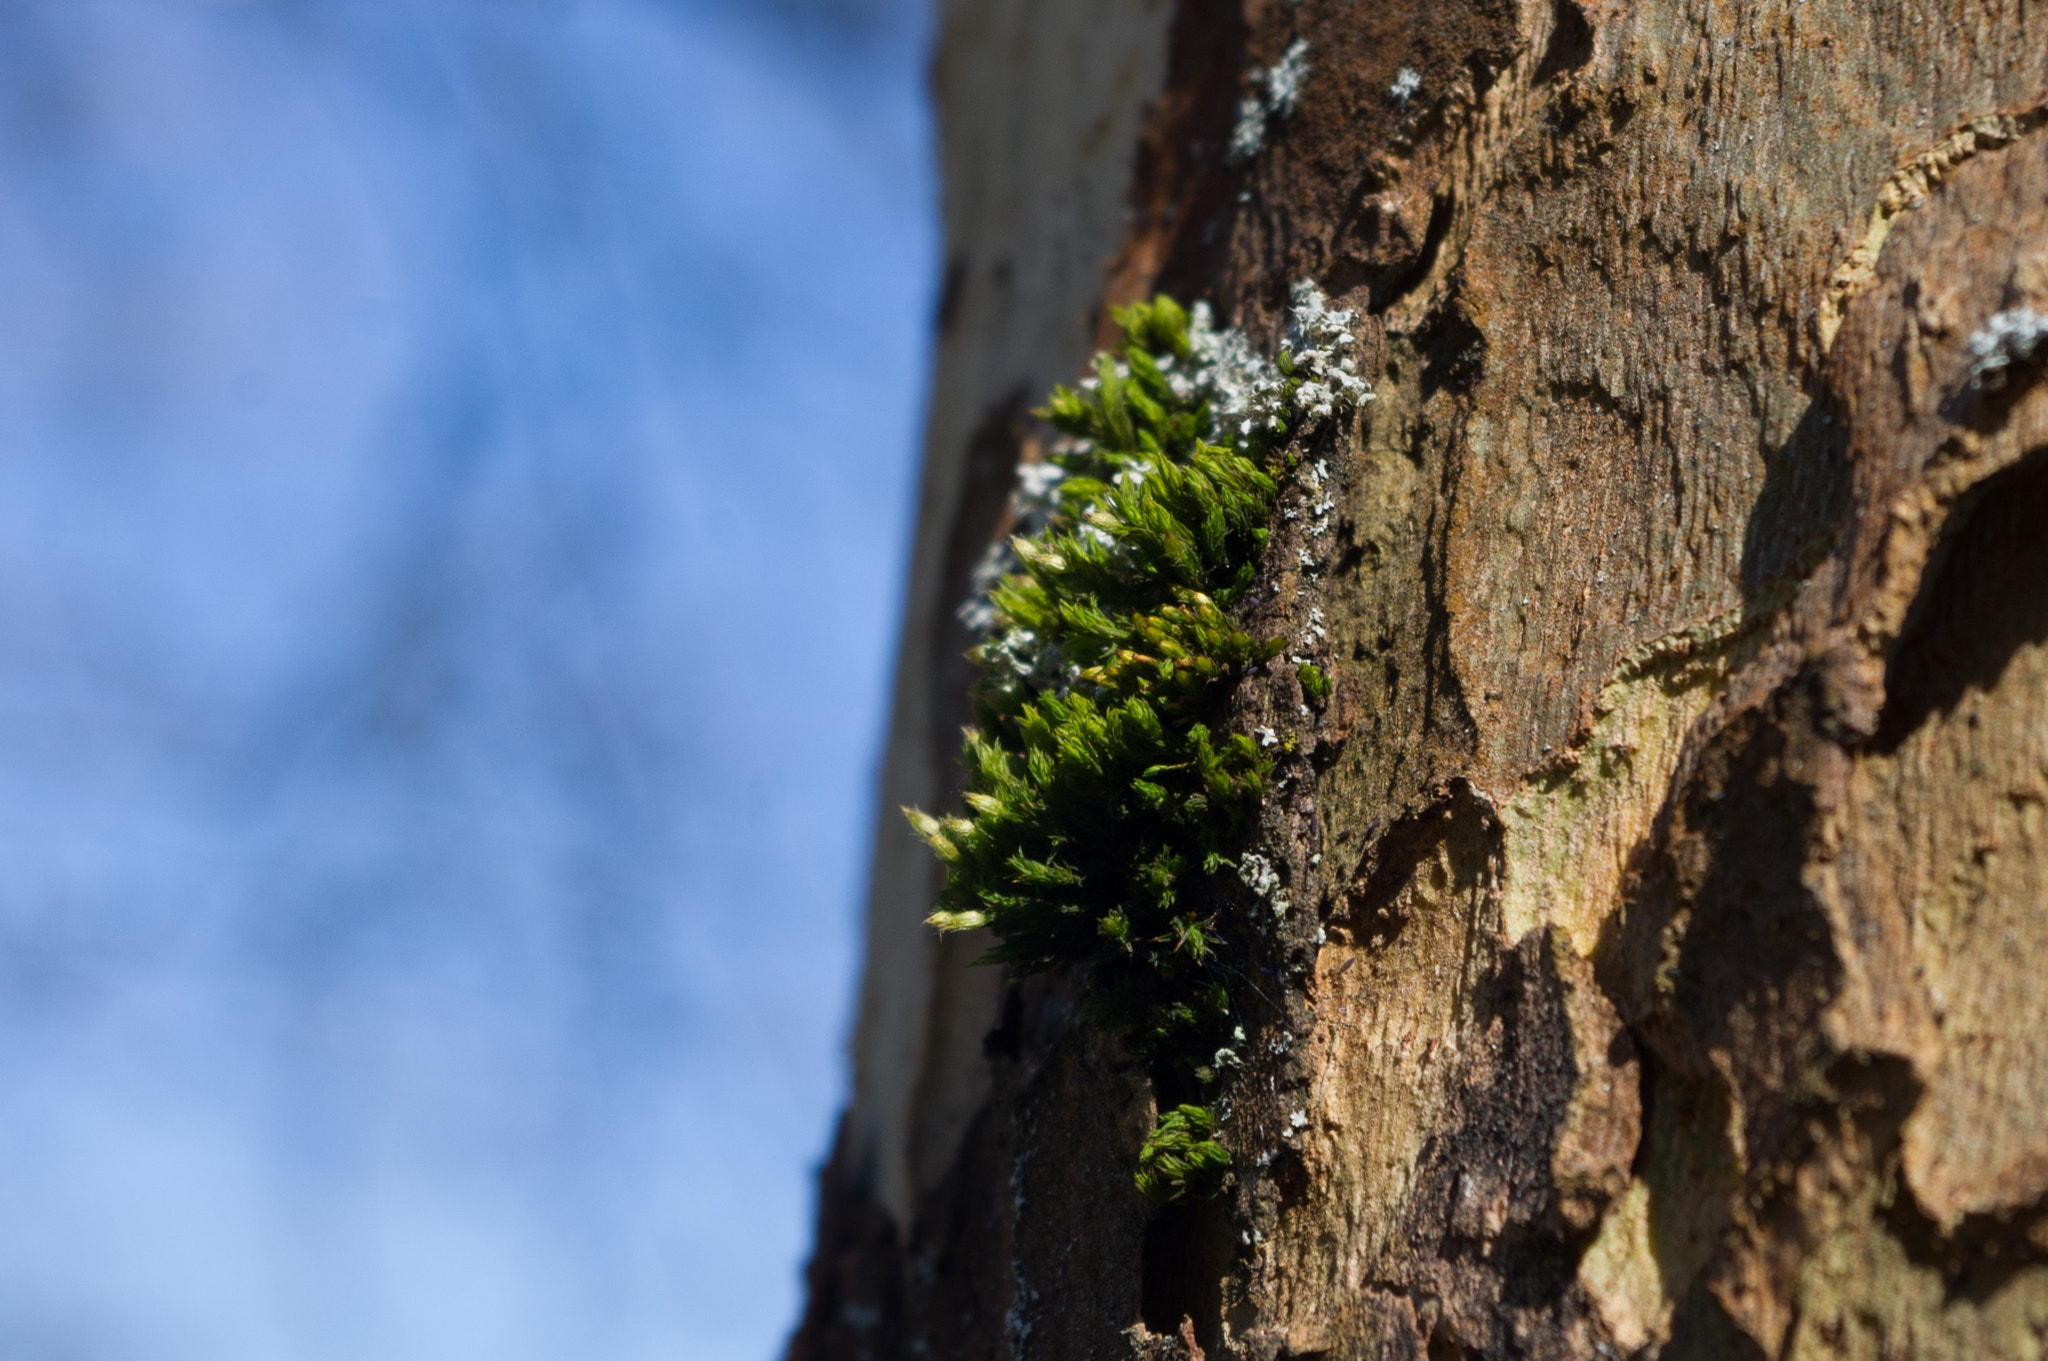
[1676, 838]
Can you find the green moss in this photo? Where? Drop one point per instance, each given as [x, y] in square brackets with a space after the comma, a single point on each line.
[1182, 1158]
[1106, 800]
[1314, 683]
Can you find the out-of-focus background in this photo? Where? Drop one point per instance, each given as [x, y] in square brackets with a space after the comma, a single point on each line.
[455, 465]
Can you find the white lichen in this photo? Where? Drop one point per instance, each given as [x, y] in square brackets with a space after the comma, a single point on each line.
[2011, 337]
[1041, 664]
[1276, 93]
[1263, 880]
[1249, 132]
[1038, 491]
[1032, 503]
[1316, 375]
[1407, 81]
[1017, 1322]
[1285, 80]
[977, 611]
[1243, 389]
[1319, 346]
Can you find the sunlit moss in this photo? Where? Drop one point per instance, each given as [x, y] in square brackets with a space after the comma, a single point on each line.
[1107, 801]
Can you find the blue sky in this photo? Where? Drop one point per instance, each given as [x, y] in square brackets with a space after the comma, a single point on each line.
[456, 460]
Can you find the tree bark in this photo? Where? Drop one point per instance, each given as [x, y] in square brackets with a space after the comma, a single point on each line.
[1672, 858]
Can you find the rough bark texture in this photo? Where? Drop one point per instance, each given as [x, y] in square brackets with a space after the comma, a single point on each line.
[1677, 835]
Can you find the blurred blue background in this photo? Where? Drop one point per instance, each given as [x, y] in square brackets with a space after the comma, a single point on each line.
[455, 469]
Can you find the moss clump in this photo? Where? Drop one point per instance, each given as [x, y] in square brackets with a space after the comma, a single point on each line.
[1182, 1158]
[1314, 683]
[1105, 799]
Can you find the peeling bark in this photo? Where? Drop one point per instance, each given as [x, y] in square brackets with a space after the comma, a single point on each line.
[1671, 861]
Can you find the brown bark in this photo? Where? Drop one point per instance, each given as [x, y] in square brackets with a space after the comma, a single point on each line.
[1676, 836]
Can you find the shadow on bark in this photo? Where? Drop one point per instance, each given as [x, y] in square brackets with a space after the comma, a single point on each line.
[1985, 596]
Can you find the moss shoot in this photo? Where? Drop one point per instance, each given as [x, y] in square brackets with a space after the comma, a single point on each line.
[1107, 803]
